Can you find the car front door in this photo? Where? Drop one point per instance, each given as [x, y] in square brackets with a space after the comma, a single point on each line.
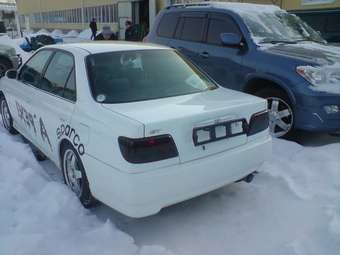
[189, 34]
[223, 63]
[55, 102]
[21, 99]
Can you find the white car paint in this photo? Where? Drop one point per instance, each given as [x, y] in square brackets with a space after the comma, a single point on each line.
[139, 190]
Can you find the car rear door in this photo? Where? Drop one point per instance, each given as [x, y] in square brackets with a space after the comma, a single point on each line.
[189, 35]
[54, 101]
[224, 64]
[21, 99]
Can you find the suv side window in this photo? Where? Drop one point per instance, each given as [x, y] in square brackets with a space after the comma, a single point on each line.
[217, 26]
[32, 71]
[192, 28]
[59, 74]
[167, 25]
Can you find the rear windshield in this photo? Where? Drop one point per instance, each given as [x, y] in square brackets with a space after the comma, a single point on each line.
[129, 76]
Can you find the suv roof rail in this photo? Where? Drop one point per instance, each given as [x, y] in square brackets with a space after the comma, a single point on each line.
[187, 5]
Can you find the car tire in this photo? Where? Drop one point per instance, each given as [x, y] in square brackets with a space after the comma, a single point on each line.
[5, 65]
[74, 175]
[281, 113]
[6, 116]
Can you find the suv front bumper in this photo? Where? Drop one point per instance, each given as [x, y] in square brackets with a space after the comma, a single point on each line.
[310, 113]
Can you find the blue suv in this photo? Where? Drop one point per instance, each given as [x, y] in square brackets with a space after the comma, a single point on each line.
[264, 51]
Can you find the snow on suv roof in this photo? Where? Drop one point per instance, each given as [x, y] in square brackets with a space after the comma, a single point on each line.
[101, 47]
[235, 7]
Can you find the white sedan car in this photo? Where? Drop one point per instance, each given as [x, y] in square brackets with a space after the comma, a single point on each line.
[135, 126]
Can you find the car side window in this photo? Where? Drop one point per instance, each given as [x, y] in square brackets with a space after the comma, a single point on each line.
[58, 74]
[192, 28]
[168, 25]
[32, 71]
[217, 26]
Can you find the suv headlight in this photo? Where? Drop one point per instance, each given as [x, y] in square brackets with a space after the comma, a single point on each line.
[319, 76]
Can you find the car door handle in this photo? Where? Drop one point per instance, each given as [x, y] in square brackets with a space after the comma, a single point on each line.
[204, 54]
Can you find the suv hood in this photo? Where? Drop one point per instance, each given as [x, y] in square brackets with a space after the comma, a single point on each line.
[179, 116]
[313, 53]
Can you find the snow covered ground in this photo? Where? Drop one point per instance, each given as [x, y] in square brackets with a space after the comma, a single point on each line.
[291, 208]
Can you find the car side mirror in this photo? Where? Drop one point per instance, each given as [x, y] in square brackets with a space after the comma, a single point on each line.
[12, 74]
[231, 39]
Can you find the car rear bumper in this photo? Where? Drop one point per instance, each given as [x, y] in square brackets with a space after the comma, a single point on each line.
[144, 194]
[310, 114]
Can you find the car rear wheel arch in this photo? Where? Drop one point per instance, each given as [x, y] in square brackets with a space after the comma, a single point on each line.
[86, 198]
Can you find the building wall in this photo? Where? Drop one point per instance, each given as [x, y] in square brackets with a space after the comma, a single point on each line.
[67, 14]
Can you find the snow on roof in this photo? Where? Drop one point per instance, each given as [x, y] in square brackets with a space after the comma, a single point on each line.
[236, 7]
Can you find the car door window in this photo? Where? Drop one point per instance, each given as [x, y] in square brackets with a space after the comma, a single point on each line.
[217, 26]
[192, 29]
[168, 25]
[31, 72]
[58, 73]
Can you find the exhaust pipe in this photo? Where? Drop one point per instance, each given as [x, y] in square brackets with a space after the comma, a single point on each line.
[249, 178]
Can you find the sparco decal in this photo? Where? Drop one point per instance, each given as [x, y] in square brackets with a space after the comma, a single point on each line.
[73, 137]
[30, 120]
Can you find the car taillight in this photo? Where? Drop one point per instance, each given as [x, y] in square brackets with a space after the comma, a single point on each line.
[149, 149]
[258, 122]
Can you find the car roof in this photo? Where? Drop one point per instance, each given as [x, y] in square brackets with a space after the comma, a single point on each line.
[112, 46]
[232, 6]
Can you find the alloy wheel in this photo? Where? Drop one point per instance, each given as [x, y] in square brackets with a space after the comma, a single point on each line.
[280, 117]
[72, 172]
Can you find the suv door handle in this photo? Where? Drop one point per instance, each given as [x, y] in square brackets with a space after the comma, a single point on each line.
[204, 54]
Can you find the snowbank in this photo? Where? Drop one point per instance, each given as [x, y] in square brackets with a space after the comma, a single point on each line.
[85, 34]
[72, 33]
[42, 31]
[40, 216]
[57, 32]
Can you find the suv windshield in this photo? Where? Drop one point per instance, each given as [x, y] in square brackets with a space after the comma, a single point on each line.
[121, 77]
[279, 26]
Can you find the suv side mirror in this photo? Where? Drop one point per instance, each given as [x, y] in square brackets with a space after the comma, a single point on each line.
[12, 74]
[231, 39]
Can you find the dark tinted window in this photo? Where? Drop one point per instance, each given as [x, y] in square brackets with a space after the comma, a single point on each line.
[121, 77]
[31, 72]
[167, 25]
[316, 21]
[333, 22]
[219, 26]
[193, 28]
[58, 73]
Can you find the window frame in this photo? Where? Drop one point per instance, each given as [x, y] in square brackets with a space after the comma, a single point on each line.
[181, 21]
[221, 17]
[54, 51]
[43, 70]
[178, 17]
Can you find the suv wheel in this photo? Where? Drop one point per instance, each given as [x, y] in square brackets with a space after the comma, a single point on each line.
[281, 114]
[6, 116]
[75, 176]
